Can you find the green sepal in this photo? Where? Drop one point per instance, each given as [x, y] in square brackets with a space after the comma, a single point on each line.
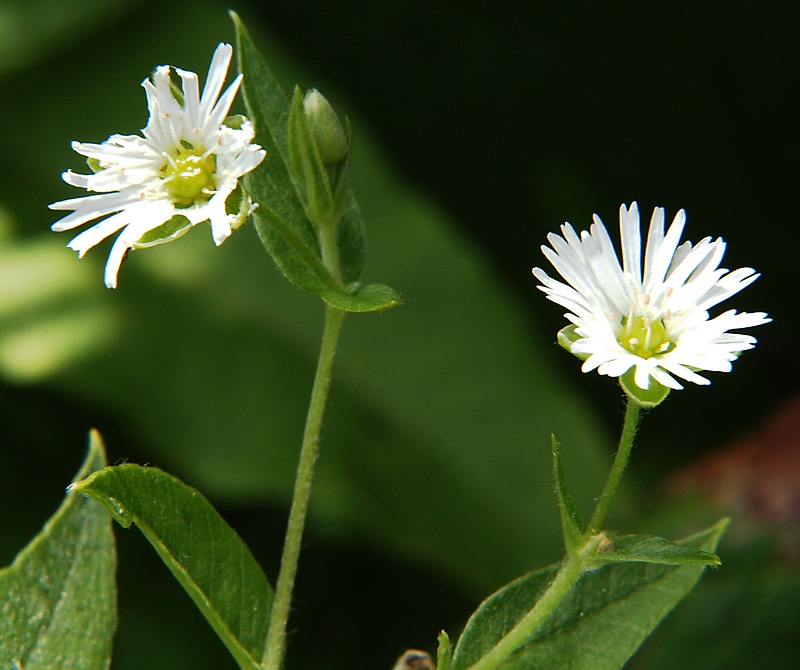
[205, 555]
[571, 520]
[58, 599]
[444, 653]
[649, 549]
[235, 121]
[170, 230]
[567, 337]
[309, 169]
[350, 234]
[649, 397]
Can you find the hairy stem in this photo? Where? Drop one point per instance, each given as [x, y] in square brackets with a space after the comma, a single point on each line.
[276, 635]
[574, 565]
[568, 575]
[631, 423]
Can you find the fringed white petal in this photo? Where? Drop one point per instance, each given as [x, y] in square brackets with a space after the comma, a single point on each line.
[132, 171]
[673, 286]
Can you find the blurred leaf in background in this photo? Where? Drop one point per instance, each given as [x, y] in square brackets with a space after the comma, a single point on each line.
[30, 31]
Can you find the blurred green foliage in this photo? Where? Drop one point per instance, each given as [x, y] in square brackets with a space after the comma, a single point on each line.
[434, 483]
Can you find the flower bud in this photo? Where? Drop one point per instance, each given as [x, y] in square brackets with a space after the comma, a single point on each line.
[326, 128]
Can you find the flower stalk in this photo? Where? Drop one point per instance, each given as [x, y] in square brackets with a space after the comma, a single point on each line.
[576, 562]
[629, 426]
[326, 221]
[646, 322]
[567, 576]
[276, 635]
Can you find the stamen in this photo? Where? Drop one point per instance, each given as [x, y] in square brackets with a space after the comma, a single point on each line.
[644, 337]
[189, 175]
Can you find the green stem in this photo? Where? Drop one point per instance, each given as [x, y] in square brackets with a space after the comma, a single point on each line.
[631, 423]
[276, 635]
[575, 565]
[330, 250]
[567, 576]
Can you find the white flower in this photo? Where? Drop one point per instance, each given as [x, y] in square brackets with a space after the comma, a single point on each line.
[154, 188]
[656, 321]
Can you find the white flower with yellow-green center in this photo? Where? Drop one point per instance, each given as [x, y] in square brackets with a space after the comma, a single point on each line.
[179, 173]
[648, 319]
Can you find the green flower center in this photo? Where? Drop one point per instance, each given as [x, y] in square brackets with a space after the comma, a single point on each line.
[189, 176]
[644, 337]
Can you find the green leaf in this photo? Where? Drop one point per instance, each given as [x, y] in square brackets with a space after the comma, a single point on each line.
[58, 599]
[296, 256]
[350, 234]
[370, 298]
[571, 521]
[444, 653]
[598, 626]
[744, 618]
[204, 553]
[281, 218]
[648, 549]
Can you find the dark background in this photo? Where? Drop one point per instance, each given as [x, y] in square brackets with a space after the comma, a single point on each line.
[521, 115]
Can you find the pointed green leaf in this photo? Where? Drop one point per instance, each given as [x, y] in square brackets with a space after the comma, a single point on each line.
[370, 298]
[58, 599]
[350, 235]
[297, 257]
[598, 626]
[281, 218]
[648, 549]
[444, 653]
[203, 552]
[571, 522]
